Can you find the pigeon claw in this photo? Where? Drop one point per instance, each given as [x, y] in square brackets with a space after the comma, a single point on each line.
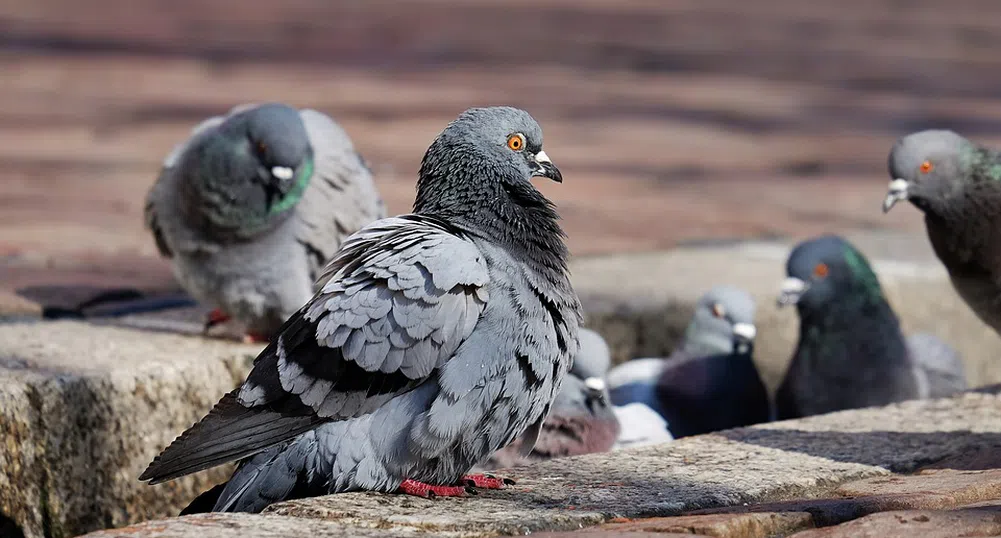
[420, 489]
[216, 317]
[486, 481]
[255, 338]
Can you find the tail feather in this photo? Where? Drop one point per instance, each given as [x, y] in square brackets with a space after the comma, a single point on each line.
[229, 432]
[271, 476]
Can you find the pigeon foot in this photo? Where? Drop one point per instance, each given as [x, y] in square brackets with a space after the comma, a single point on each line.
[255, 338]
[215, 317]
[420, 489]
[487, 481]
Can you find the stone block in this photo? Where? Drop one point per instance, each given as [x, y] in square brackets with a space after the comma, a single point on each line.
[793, 468]
[84, 408]
[974, 521]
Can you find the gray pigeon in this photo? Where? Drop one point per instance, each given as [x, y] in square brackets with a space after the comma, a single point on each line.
[851, 351]
[957, 184]
[710, 382]
[436, 339]
[582, 421]
[251, 207]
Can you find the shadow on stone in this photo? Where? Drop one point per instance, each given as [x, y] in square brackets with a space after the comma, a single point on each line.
[8, 528]
[899, 452]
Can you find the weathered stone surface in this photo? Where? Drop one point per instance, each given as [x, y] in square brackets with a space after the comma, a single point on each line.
[245, 526]
[749, 525]
[982, 520]
[641, 303]
[84, 408]
[931, 490]
[815, 471]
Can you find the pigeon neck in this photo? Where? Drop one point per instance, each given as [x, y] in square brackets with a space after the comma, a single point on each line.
[512, 214]
[223, 197]
[856, 333]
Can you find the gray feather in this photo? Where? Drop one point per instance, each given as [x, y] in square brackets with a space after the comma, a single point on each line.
[938, 366]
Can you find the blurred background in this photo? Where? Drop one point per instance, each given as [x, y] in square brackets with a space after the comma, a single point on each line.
[674, 121]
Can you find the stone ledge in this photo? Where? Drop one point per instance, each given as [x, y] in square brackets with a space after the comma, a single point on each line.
[817, 458]
[84, 408]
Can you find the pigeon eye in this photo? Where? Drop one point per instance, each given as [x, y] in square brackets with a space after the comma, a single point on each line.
[820, 270]
[261, 148]
[926, 167]
[516, 142]
[718, 310]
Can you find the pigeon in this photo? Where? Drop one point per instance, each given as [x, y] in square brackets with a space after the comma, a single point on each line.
[251, 207]
[851, 351]
[582, 421]
[710, 382]
[640, 426]
[957, 184]
[435, 339]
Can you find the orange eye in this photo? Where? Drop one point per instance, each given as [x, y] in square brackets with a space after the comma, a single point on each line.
[261, 147]
[820, 270]
[718, 310]
[516, 142]
[926, 167]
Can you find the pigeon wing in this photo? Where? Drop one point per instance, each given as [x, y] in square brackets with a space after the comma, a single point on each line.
[394, 305]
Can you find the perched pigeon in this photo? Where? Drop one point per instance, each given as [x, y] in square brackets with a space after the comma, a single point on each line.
[957, 184]
[581, 422]
[436, 338]
[851, 352]
[708, 384]
[251, 207]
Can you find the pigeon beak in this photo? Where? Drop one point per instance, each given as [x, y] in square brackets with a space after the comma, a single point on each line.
[747, 331]
[596, 388]
[282, 173]
[543, 167]
[896, 192]
[792, 289]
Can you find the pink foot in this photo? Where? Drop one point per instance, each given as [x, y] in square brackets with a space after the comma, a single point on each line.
[254, 338]
[216, 317]
[420, 489]
[486, 481]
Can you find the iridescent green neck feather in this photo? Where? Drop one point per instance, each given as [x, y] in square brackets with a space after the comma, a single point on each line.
[863, 274]
[297, 190]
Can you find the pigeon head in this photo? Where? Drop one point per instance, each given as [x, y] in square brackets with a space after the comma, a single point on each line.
[275, 143]
[582, 398]
[594, 357]
[723, 323]
[248, 173]
[931, 167]
[828, 271]
[479, 170]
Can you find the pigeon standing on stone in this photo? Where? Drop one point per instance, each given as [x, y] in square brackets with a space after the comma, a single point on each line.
[251, 207]
[581, 421]
[957, 184]
[710, 382]
[436, 339]
[851, 351]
